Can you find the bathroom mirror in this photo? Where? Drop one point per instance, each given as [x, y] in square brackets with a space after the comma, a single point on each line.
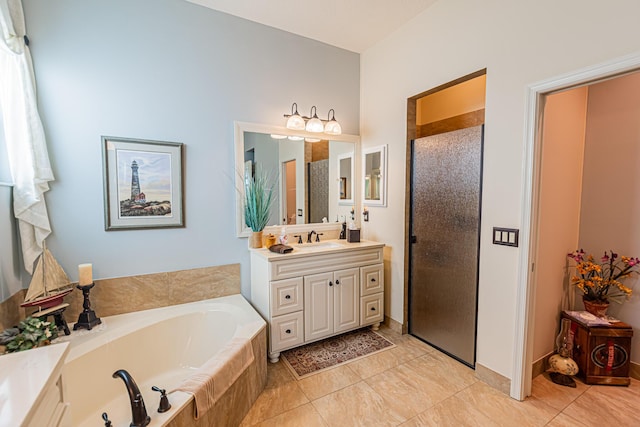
[307, 175]
[374, 164]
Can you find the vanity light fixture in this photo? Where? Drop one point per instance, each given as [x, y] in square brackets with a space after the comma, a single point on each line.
[312, 139]
[295, 121]
[295, 138]
[274, 136]
[332, 127]
[313, 124]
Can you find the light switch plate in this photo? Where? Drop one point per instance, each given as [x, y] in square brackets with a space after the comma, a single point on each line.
[505, 236]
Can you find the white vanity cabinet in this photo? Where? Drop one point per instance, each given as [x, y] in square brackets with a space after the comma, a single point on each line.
[32, 384]
[331, 304]
[316, 292]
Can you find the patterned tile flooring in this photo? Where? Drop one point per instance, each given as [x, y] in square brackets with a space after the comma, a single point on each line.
[414, 385]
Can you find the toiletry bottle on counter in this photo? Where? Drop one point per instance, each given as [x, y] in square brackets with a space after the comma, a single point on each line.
[270, 240]
[282, 239]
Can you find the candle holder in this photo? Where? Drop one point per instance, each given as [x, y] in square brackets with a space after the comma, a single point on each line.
[87, 319]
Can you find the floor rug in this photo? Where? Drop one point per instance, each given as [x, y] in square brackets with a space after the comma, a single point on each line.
[321, 355]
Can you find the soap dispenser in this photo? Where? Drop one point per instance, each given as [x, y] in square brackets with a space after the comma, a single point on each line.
[343, 231]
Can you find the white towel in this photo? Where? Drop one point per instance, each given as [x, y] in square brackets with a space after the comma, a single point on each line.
[215, 377]
[26, 145]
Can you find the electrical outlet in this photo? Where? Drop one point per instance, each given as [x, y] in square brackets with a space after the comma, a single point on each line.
[505, 236]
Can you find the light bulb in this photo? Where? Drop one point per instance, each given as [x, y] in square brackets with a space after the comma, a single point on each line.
[294, 121]
[314, 124]
[332, 127]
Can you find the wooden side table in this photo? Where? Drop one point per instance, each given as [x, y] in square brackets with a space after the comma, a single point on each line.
[602, 352]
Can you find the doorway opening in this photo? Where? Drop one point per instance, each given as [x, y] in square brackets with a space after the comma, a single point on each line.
[534, 238]
[289, 191]
[444, 177]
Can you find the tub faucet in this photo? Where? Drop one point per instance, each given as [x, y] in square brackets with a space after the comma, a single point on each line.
[138, 411]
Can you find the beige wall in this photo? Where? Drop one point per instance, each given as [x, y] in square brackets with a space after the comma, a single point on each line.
[519, 43]
[455, 100]
[563, 136]
[611, 188]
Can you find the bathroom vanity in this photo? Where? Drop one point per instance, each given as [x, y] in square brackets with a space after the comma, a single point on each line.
[317, 291]
[32, 389]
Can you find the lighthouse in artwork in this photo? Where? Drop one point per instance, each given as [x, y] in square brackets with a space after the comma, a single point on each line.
[137, 196]
[135, 182]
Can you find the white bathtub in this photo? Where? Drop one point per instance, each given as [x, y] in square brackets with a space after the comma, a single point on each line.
[158, 347]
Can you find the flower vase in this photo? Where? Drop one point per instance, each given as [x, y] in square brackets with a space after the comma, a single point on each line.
[255, 240]
[596, 308]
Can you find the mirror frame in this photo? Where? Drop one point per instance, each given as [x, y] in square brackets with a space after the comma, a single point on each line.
[382, 149]
[349, 201]
[239, 129]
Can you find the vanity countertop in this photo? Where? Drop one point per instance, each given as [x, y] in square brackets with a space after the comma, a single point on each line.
[310, 249]
[25, 376]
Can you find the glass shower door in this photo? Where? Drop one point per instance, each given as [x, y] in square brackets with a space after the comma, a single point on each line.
[445, 228]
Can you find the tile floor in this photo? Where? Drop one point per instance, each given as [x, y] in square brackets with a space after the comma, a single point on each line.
[415, 385]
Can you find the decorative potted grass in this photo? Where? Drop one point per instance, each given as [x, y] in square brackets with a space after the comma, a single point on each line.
[258, 199]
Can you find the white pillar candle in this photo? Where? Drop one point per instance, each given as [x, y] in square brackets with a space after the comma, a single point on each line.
[85, 274]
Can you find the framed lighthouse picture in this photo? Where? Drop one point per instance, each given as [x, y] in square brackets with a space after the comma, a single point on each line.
[143, 183]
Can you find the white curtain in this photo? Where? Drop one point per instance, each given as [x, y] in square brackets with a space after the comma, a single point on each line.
[24, 134]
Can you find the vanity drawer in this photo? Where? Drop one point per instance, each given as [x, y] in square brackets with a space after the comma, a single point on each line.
[286, 296]
[319, 263]
[371, 279]
[287, 331]
[372, 309]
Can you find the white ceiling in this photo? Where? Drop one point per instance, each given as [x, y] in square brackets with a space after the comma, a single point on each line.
[354, 25]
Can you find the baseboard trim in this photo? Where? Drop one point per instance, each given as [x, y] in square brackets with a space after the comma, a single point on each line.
[493, 379]
[540, 365]
[393, 324]
[634, 370]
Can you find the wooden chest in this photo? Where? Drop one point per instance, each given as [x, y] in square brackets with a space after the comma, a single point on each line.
[602, 352]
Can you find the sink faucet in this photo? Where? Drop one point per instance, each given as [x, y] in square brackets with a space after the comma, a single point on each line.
[138, 411]
[310, 235]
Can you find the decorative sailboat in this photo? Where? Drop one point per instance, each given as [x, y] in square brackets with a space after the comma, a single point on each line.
[49, 283]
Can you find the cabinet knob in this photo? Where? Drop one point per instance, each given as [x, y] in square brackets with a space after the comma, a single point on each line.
[330, 283]
[373, 309]
[337, 282]
[288, 331]
[373, 279]
[287, 297]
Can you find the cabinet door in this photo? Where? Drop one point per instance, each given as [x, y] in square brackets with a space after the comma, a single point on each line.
[346, 303]
[318, 306]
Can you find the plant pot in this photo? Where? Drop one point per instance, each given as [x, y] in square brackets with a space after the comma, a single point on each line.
[596, 308]
[255, 240]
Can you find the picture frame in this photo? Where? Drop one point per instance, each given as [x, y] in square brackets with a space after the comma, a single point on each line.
[143, 183]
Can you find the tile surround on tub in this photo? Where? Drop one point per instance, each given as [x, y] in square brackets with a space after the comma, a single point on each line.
[134, 293]
[10, 311]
